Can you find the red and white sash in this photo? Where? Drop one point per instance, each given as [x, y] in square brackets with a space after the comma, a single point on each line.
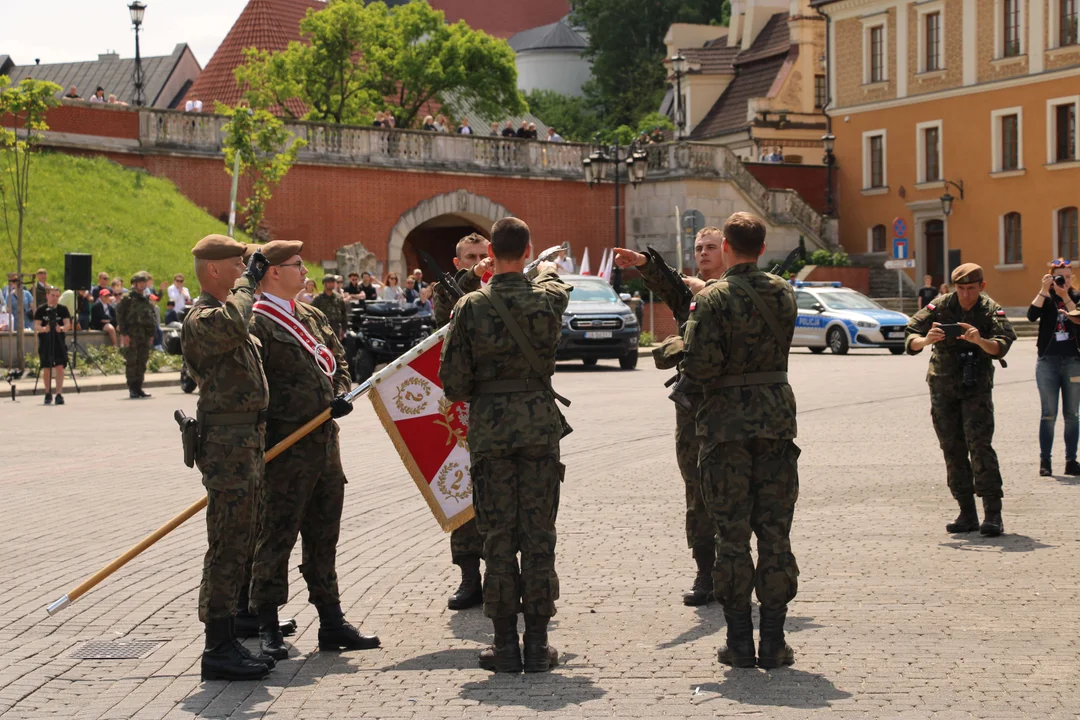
[324, 358]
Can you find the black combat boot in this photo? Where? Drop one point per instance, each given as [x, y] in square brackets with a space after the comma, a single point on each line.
[221, 660]
[337, 634]
[271, 641]
[773, 650]
[968, 519]
[140, 392]
[992, 525]
[505, 655]
[701, 592]
[470, 592]
[246, 622]
[1071, 466]
[739, 651]
[1045, 469]
[539, 655]
[258, 656]
[133, 394]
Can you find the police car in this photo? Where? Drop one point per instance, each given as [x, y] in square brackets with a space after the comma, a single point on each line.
[835, 317]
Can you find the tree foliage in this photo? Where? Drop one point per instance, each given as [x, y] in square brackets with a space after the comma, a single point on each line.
[573, 117]
[27, 103]
[266, 151]
[626, 47]
[357, 58]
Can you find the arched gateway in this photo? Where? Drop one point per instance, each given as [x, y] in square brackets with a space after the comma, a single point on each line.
[436, 224]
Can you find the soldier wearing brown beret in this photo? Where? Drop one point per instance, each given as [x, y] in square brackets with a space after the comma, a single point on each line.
[967, 330]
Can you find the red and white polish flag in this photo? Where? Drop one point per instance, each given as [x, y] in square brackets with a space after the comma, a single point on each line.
[428, 430]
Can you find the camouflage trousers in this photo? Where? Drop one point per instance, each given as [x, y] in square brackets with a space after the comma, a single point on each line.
[700, 529]
[303, 493]
[751, 486]
[516, 497]
[136, 356]
[965, 429]
[465, 543]
[232, 476]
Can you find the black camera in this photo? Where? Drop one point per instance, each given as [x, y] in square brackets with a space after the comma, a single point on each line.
[969, 366]
[1060, 280]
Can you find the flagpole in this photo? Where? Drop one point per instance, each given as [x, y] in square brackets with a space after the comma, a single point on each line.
[95, 579]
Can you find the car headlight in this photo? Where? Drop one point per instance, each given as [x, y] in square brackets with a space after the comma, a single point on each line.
[566, 320]
[629, 320]
[864, 324]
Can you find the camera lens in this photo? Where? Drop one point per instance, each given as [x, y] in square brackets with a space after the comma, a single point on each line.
[1060, 280]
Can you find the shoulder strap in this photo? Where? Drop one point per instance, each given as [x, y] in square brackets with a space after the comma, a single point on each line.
[764, 309]
[522, 342]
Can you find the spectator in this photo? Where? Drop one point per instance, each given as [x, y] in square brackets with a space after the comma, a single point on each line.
[308, 293]
[390, 121]
[508, 131]
[51, 321]
[352, 291]
[464, 128]
[102, 283]
[392, 290]
[171, 315]
[944, 289]
[103, 315]
[73, 93]
[193, 104]
[1058, 364]
[411, 293]
[41, 287]
[98, 96]
[117, 288]
[179, 294]
[429, 123]
[380, 119]
[418, 276]
[523, 131]
[83, 301]
[424, 302]
[114, 101]
[369, 287]
[441, 124]
[564, 263]
[16, 302]
[553, 136]
[927, 293]
[533, 135]
[494, 129]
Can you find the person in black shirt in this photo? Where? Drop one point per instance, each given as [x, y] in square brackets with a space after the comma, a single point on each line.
[927, 292]
[352, 290]
[1058, 368]
[370, 289]
[51, 321]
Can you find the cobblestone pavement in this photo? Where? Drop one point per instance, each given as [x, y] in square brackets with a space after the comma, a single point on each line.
[894, 617]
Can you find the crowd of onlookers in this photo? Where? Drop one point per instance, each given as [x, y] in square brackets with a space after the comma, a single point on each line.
[97, 97]
[363, 288]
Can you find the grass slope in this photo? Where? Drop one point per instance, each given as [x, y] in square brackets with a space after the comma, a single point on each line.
[128, 220]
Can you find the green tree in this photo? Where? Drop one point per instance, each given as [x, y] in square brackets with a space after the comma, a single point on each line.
[574, 118]
[355, 58]
[266, 151]
[27, 103]
[626, 47]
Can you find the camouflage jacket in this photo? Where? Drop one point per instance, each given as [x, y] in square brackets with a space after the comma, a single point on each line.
[946, 364]
[136, 315]
[658, 282]
[224, 360]
[443, 302]
[336, 310]
[479, 348]
[727, 335]
[298, 389]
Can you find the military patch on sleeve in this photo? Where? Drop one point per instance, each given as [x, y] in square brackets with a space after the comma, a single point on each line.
[1000, 313]
[693, 305]
[929, 306]
[451, 314]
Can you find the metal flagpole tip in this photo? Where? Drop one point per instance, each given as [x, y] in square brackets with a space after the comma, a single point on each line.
[58, 605]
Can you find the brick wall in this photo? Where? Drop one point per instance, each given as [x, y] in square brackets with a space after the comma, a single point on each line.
[87, 119]
[849, 63]
[953, 59]
[808, 180]
[987, 69]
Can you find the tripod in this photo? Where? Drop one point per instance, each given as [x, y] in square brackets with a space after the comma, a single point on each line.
[52, 354]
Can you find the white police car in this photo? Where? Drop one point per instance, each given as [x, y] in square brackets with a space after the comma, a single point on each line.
[835, 317]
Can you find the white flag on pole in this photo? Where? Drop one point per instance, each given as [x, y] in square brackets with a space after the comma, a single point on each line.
[585, 269]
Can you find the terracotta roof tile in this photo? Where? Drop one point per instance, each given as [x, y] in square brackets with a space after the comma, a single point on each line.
[728, 114]
[774, 38]
[501, 18]
[713, 59]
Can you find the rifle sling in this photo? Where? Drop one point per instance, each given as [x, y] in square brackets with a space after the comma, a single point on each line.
[759, 302]
[523, 344]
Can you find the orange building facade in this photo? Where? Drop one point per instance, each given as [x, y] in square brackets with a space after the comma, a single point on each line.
[931, 97]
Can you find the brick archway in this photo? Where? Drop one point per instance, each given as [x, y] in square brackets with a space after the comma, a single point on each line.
[479, 210]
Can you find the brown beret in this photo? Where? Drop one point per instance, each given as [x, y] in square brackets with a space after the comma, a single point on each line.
[250, 249]
[217, 247]
[279, 251]
[141, 276]
[967, 273]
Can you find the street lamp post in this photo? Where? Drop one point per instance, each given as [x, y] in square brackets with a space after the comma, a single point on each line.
[828, 141]
[678, 66]
[596, 167]
[137, 9]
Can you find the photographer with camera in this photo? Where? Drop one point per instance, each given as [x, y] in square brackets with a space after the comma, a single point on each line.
[51, 321]
[1057, 371]
[967, 330]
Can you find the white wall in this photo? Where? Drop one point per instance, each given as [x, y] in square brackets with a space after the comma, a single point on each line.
[560, 70]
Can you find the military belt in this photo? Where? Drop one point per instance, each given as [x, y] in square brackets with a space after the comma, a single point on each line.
[516, 385]
[217, 419]
[744, 379]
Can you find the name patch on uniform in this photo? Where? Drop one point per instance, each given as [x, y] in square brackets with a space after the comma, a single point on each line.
[693, 305]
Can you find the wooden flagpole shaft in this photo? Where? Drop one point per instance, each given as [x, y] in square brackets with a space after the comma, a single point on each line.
[86, 585]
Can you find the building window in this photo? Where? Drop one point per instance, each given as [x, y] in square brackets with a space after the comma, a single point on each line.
[1064, 132]
[932, 154]
[1011, 26]
[1067, 22]
[877, 239]
[932, 28]
[877, 54]
[1010, 142]
[1012, 252]
[819, 91]
[1067, 233]
[877, 161]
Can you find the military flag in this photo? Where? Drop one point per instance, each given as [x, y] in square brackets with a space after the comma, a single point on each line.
[428, 430]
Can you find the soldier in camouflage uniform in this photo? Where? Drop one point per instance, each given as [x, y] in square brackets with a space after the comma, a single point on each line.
[700, 530]
[333, 306]
[136, 319]
[503, 368]
[737, 344]
[224, 360]
[961, 380]
[304, 488]
[466, 545]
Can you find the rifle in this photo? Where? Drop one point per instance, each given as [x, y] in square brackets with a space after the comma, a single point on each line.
[445, 278]
[676, 282]
[788, 261]
[544, 257]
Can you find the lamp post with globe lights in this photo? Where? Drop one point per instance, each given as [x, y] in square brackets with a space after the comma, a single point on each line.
[137, 10]
[605, 160]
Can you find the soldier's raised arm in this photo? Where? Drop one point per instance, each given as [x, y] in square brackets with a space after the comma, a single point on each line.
[920, 331]
[1002, 333]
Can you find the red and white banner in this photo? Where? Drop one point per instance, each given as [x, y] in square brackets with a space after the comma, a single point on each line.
[427, 429]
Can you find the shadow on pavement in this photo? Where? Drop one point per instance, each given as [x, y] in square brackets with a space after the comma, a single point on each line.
[785, 687]
[539, 691]
[202, 703]
[471, 625]
[599, 367]
[454, 659]
[1004, 543]
[710, 621]
[1067, 479]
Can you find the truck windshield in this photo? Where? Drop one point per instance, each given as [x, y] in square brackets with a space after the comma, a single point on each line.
[593, 291]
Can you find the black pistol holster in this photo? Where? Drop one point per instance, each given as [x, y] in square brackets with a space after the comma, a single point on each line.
[189, 436]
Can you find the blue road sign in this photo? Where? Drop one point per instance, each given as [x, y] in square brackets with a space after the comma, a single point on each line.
[900, 248]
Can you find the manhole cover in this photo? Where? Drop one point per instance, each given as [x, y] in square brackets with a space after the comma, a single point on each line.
[116, 650]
